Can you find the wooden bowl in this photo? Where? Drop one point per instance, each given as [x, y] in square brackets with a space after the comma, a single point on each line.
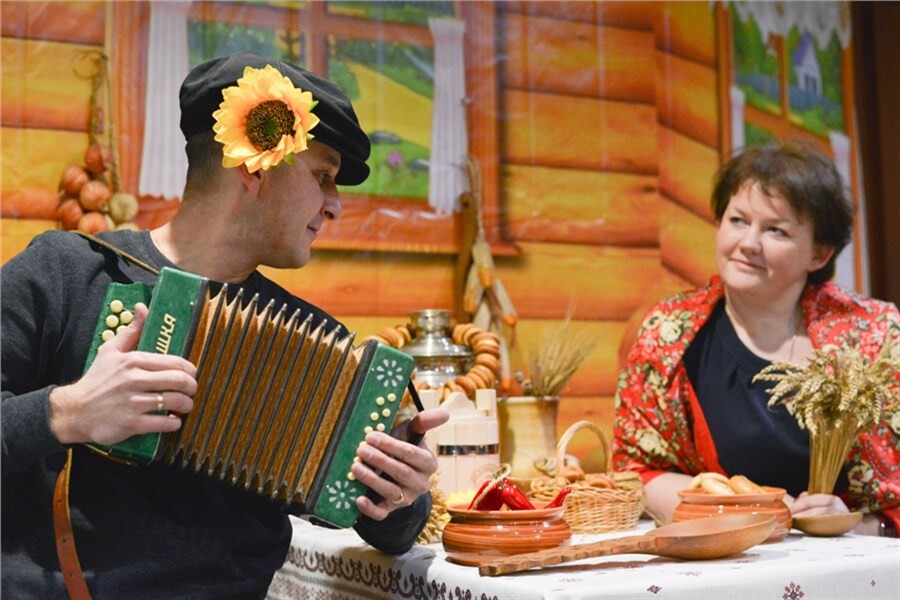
[828, 525]
[698, 504]
[473, 537]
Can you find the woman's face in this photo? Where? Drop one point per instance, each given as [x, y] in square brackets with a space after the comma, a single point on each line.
[763, 247]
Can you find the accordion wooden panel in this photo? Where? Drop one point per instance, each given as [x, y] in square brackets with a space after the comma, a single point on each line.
[281, 403]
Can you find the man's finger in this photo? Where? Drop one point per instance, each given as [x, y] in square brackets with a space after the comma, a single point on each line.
[127, 339]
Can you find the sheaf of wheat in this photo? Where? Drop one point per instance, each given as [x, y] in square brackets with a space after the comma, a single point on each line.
[839, 394]
[562, 351]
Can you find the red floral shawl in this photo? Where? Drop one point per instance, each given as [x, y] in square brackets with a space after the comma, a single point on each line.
[660, 427]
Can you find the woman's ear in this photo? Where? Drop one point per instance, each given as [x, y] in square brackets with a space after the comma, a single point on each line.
[821, 256]
[251, 181]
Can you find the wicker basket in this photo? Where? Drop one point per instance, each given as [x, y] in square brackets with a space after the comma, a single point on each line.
[591, 509]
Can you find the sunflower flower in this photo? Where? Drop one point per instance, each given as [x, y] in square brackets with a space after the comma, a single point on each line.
[263, 120]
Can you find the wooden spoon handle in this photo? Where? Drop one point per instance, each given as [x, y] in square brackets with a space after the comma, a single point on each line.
[561, 554]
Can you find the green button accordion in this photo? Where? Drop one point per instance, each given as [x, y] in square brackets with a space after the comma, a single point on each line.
[281, 403]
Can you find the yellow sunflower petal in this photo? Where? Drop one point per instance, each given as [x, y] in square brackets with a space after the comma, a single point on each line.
[256, 87]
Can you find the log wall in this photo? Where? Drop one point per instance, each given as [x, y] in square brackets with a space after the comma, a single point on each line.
[607, 132]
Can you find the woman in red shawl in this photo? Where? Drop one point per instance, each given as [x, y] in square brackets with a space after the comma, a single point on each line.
[686, 402]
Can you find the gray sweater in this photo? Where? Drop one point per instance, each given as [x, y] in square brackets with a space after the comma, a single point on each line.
[141, 532]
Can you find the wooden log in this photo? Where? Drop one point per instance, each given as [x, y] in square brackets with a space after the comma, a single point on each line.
[46, 85]
[634, 15]
[686, 170]
[363, 283]
[597, 376]
[40, 155]
[18, 233]
[30, 203]
[579, 133]
[688, 29]
[391, 224]
[578, 58]
[603, 283]
[688, 98]
[72, 22]
[687, 244]
[545, 204]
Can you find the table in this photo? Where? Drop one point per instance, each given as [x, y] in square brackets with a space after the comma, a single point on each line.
[324, 564]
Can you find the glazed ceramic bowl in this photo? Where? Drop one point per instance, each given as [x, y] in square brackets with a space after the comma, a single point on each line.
[828, 525]
[697, 504]
[473, 537]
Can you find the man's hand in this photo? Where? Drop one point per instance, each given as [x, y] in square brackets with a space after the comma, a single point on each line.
[408, 466]
[118, 395]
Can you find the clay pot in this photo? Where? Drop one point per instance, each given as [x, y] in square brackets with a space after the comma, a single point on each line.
[473, 537]
[698, 504]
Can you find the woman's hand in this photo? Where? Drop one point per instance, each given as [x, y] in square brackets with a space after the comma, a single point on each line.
[121, 392]
[407, 468]
[811, 505]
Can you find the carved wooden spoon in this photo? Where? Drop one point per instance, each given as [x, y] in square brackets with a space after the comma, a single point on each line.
[695, 539]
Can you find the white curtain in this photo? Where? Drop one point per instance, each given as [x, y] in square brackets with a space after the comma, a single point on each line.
[820, 19]
[449, 140]
[163, 162]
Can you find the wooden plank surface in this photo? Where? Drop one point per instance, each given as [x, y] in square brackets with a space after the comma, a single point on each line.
[578, 58]
[363, 283]
[687, 243]
[578, 133]
[73, 22]
[18, 233]
[603, 283]
[686, 170]
[598, 373]
[635, 15]
[688, 98]
[545, 204]
[27, 183]
[46, 85]
[688, 29]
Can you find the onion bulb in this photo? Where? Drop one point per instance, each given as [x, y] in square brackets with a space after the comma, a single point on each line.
[95, 196]
[92, 222]
[97, 158]
[73, 179]
[69, 212]
[123, 207]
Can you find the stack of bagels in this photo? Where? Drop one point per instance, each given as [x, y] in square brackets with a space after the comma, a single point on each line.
[716, 483]
[485, 345]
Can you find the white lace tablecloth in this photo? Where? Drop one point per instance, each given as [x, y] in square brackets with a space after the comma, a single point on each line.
[328, 564]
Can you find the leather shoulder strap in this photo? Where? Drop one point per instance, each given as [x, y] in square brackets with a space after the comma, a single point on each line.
[65, 540]
[118, 251]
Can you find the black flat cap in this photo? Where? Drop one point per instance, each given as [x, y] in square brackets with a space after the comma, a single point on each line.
[201, 94]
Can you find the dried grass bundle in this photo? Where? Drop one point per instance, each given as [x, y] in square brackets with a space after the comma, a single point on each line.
[839, 394]
[562, 351]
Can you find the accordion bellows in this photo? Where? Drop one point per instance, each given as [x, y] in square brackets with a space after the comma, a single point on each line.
[281, 403]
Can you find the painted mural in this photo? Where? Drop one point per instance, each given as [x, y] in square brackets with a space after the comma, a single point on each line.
[596, 126]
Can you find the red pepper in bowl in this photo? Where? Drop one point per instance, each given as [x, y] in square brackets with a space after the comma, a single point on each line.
[489, 496]
[560, 498]
[514, 498]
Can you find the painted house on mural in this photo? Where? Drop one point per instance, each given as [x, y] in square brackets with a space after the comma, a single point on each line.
[806, 66]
